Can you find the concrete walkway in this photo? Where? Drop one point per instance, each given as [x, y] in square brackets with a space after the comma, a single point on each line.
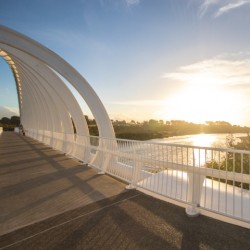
[37, 182]
[48, 201]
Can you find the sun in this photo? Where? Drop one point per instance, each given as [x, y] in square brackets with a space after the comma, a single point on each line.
[205, 102]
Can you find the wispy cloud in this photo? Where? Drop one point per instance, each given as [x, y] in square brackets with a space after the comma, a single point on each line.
[221, 7]
[132, 2]
[206, 4]
[128, 3]
[223, 70]
[228, 7]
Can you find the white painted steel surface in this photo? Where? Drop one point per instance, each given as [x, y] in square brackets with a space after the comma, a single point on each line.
[45, 101]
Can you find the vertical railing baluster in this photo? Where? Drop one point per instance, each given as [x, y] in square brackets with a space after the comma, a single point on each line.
[249, 186]
[241, 197]
[176, 172]
[187, 166]
[233, 185]
[172, 160]
[212, 178]
[162, 168]
[219, 182]
[226, 181]
[182, 172]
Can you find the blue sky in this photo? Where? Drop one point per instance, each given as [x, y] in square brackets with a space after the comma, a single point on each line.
[159, 59]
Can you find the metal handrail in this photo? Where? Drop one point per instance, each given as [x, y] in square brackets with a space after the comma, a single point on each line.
[171, 170]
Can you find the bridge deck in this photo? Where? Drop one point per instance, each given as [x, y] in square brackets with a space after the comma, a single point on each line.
[37, 182]
[53, 202]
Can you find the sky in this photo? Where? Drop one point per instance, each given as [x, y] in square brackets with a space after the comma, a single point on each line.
[146, 59]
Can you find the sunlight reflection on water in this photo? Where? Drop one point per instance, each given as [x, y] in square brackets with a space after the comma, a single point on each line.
[202, 140]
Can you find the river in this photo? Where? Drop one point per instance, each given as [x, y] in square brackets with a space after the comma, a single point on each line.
[202, 140]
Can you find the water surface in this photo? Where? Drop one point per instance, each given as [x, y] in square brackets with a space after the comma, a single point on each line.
[203, 140]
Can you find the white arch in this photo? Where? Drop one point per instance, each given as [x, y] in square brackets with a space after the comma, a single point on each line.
[47, 106]
[47, 57]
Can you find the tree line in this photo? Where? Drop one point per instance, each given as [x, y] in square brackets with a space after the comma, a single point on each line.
[153, 129]
[150, 129]
[9, 124]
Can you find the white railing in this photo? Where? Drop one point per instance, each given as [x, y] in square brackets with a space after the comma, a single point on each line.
[204, 180]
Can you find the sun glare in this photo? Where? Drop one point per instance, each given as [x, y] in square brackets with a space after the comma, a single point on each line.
[203, 140]
[204, 102]
[212, 91]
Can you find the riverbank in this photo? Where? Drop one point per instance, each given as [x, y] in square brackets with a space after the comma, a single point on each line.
[153, 129]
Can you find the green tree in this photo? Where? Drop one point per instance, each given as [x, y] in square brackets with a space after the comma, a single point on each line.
[15, 120]
[234, 162]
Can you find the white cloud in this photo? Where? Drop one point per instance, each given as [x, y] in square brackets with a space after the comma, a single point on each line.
[206, 4]
[8, 111]
[228, 7]
[228, 71]
[132, 2]
[221, 7]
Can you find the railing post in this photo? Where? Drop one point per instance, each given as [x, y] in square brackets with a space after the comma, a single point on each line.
[135, 171]
[85, 140]
[195, 184]
[105, 161]
[106, 146]
[101, 156]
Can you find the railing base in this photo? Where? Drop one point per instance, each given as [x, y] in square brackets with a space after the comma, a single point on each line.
[130, 186]
[192, 211]
[101, 172]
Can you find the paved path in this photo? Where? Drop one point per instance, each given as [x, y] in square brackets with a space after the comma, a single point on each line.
[76, 209]
[37, 182]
